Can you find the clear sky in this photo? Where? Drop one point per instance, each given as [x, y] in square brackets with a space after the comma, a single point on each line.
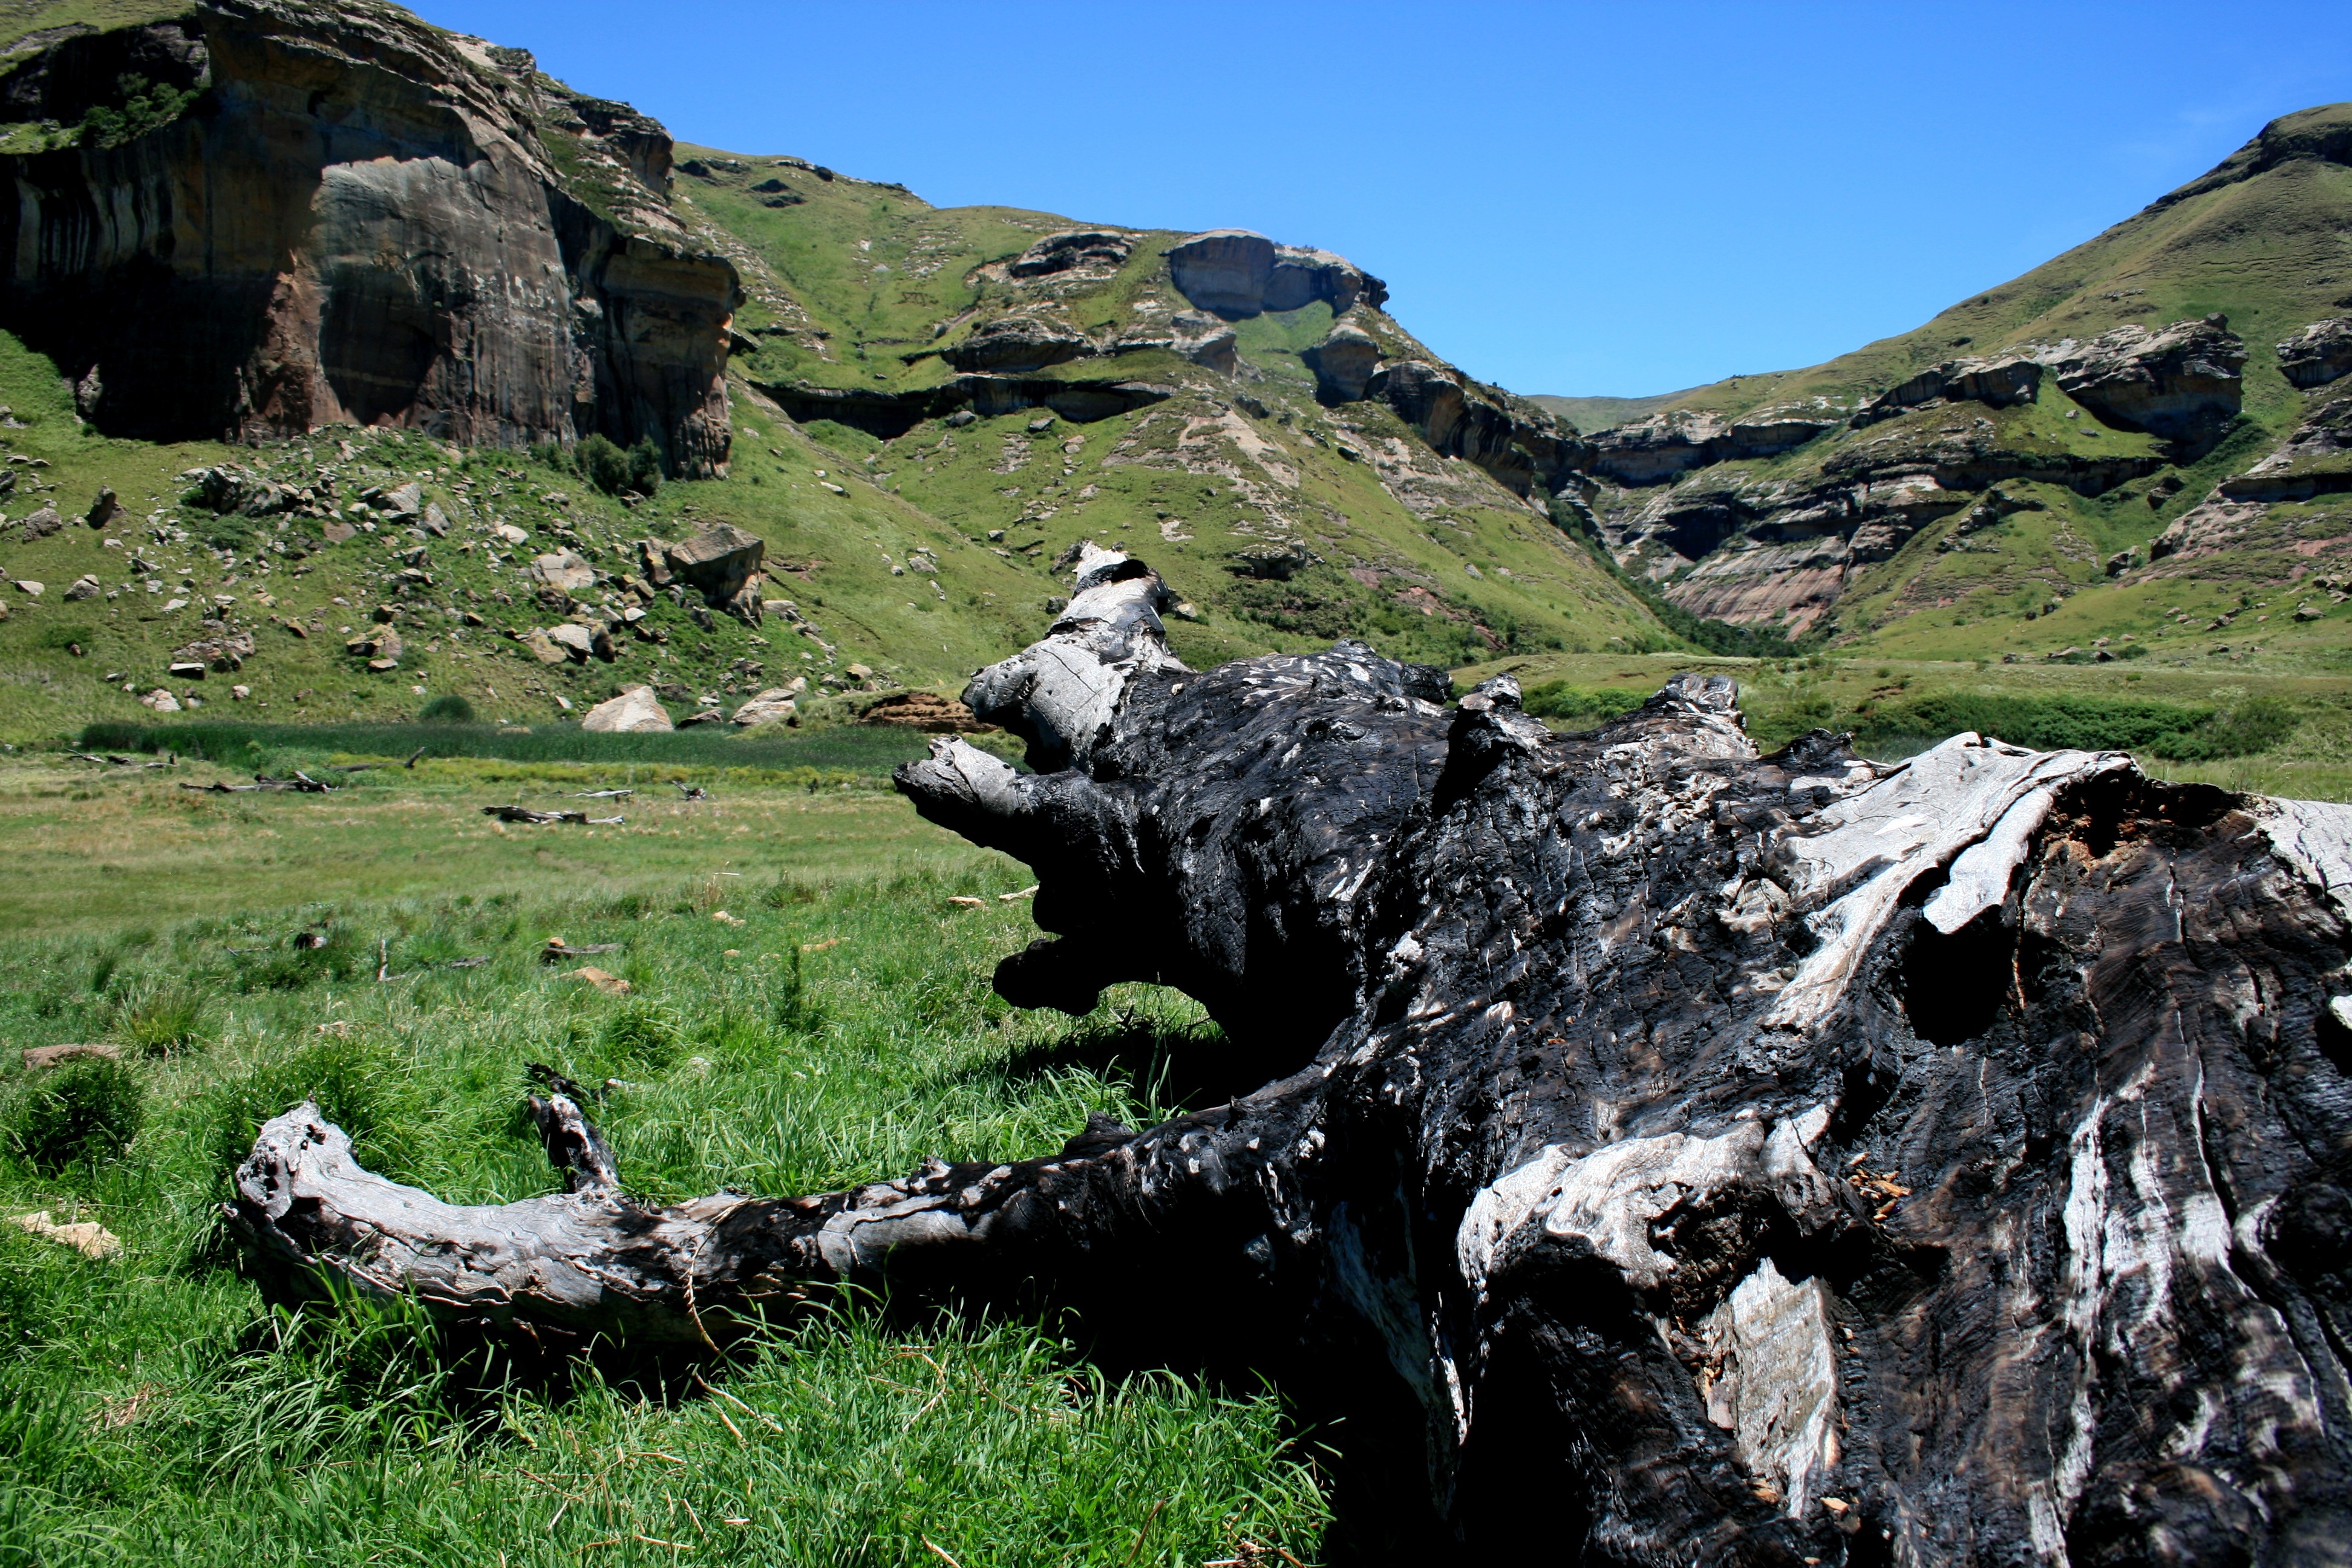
[1621, 198]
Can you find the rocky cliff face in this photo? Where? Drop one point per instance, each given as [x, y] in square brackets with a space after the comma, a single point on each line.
[356, 218]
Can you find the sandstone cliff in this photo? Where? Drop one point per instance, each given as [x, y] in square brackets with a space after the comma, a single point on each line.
[355, 218]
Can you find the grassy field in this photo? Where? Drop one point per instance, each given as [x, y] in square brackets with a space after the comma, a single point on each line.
[152, 1409]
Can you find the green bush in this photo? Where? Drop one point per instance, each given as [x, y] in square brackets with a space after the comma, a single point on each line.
[145, 107]
[446, 709]
[81, 1112]
[1558, 700]
[360, 1086]
[614, 471]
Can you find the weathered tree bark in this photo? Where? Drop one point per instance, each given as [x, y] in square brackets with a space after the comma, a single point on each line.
[1721, 1157]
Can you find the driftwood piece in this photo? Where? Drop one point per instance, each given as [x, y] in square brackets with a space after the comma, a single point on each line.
[1665, 1153]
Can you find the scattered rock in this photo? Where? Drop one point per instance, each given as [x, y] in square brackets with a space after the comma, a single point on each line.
[104, 509]
[577, 641]
[29, 588]
[43, 523]
[959, 418]
[636, 711]
[185, 670]
[510, 534]
[85, 587]
[540, 647]
[773, 706]
[87, 1237]
[564, 571]
[161, 701]
[609, 984]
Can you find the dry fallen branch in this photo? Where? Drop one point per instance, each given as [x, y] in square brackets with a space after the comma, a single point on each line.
[1666, 1153]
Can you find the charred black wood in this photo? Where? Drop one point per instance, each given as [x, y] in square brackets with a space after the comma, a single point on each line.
[1688, 1154]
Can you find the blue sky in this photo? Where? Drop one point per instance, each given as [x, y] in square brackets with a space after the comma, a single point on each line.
[1625, 198]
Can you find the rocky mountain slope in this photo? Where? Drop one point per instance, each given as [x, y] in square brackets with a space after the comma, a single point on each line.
[346, 254]
[2032, 471]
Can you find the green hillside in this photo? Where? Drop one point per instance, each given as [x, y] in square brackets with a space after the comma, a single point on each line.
[2262, 241]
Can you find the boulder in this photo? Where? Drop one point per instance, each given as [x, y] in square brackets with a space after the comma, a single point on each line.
[85, 587]
[576, 641]
[1237, 272]
[2182, 382]
[1072, 250]
[161, 701]
[1343, 364]
[43, 523]
[636, 711]
[104, 509]
[509, 533]
[1014, 343]
[2319, 353]
[540, 647]
[720, 562]
[564, 571]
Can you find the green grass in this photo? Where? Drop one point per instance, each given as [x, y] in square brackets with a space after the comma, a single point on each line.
[152, 1410]
[847, 747]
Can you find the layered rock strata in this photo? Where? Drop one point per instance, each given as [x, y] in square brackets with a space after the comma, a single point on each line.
[356, 218]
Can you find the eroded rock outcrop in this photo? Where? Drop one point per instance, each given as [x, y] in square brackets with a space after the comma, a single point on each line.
[359, 218]
[1014, 343]
[1343, 362]
[1653, 451]
[1518, 443]
[2319, 353]
[1073, 251]
[1237, 272]
[1999, 382]
[2182, 380]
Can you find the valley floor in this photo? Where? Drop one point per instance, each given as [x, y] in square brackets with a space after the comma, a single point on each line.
[835, 1026]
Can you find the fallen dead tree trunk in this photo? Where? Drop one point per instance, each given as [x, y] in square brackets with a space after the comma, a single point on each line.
[1666, 1153]
[525, 814]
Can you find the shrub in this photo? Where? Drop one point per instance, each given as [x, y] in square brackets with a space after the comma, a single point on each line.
[1558, 700]
[84, 1111]
[614, 471]
[602, 464]
[447, 709]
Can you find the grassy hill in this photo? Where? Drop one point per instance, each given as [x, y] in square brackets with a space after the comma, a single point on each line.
[1283, 524]
[2261, 240]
